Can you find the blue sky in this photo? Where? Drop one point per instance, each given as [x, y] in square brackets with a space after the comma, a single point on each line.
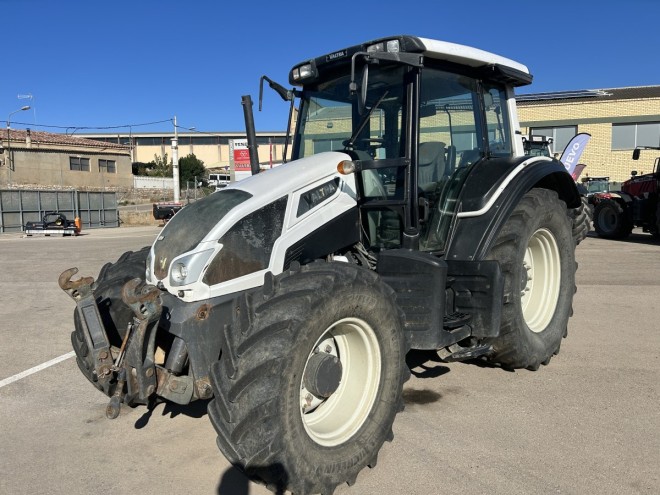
[102, 64]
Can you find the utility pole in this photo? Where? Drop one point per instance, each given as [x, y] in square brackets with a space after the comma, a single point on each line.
[175, 162]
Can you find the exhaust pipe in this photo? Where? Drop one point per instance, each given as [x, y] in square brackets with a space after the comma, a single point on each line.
[246, 101]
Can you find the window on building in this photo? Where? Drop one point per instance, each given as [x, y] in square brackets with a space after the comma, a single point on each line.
[205, 140]
[561, 136]
[321, 145]
[148, 141]
[78, 163]
[109, 166]
[629, 136]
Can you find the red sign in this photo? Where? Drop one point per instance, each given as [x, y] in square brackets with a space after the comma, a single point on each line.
[241, 155]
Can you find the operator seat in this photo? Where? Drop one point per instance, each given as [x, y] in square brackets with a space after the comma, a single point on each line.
[431, 160]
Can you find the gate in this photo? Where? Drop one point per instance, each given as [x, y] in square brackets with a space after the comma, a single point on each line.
[95, 209]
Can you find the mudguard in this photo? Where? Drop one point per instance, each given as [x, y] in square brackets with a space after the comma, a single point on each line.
[619, 196]
[490, 194]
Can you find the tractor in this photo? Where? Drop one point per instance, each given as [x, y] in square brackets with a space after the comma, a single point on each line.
[537, 145]
[409, 217]
[616, 213]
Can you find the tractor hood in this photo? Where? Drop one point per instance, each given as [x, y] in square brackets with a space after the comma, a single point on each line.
[291, 176]
[246, 217]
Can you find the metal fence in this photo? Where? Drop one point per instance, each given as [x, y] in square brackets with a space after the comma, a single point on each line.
[95, 209]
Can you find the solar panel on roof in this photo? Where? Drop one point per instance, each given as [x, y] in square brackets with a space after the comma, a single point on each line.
[563, 95]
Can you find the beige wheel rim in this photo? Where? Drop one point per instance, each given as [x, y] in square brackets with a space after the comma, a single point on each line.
[541, 280]
[334, 420]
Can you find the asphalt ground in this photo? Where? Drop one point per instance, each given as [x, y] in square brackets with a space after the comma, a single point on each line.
[589, 423]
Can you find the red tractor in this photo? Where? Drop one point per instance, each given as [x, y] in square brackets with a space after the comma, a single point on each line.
[636, 205]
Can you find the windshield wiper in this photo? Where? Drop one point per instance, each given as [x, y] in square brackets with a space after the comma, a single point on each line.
[349, 143]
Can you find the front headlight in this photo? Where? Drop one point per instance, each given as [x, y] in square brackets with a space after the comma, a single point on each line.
[147, 271]
[187, 269]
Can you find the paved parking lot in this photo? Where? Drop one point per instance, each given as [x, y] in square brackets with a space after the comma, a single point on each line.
[589, 423]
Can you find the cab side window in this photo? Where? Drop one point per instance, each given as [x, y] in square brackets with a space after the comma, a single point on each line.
[497, 121]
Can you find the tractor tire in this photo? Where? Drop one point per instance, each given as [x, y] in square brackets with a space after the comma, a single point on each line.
[114, 312]
[611, 221]
[582, 217]
[310, 378]
[536, 251]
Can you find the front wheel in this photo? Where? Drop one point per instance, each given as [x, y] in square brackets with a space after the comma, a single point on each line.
[310, 378]
[536, 251]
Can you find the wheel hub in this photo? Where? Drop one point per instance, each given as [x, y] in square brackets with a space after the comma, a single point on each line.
[323, 374]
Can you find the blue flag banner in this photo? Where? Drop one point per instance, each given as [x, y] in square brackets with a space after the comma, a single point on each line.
[574, 150]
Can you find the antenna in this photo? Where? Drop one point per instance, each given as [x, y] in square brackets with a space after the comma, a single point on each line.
[30, 97]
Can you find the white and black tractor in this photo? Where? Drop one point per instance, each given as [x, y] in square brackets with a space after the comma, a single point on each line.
[408, 218]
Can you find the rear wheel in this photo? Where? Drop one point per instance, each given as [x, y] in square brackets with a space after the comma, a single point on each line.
[611, 221]
[582, 218]
[536, 251]
[310, 378]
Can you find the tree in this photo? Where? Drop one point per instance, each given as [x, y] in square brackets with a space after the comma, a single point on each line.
[141, 168]
[191, 167]
[160, 167]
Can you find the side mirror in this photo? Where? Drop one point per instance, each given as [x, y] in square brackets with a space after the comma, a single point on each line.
[362, 98]
[488, 100]
[636, 152]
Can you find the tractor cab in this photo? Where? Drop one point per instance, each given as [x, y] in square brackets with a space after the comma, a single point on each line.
[414, 123]
[644, 184]
[537, 145]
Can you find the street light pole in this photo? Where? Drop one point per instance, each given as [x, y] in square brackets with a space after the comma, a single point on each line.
[175, 162]
[9, 159]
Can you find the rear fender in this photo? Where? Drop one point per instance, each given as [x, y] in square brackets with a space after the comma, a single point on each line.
[476, 228]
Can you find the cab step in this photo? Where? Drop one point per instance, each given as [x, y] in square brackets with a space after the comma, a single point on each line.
[455, 320]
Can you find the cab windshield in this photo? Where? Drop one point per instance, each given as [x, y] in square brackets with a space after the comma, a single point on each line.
[330, 115]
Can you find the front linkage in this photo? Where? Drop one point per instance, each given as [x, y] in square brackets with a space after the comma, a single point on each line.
[130, 375]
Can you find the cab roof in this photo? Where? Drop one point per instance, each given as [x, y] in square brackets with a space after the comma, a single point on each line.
[489, 65]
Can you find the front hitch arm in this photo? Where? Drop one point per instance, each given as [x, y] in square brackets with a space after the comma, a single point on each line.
[145, 301]
[94, 333]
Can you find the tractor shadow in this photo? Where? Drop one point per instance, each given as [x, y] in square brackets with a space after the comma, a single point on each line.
[634, 238]
[235, 482]
[196, 409]
[425, 364]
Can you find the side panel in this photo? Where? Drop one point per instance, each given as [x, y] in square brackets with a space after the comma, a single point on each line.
[419, 281]
[492, 192]
[340, 232]
[478, 289]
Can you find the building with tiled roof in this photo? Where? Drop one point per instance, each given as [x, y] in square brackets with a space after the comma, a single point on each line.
[47, 159]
